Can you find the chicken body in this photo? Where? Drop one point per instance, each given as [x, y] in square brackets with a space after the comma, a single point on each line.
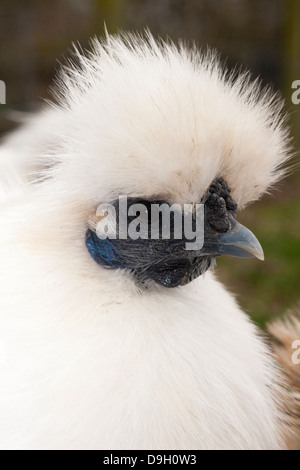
[90, 358]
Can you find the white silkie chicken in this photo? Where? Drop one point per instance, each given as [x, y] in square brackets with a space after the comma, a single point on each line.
[130, 354]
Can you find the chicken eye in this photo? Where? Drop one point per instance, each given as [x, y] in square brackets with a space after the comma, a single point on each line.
[141, 210]
[145, 212]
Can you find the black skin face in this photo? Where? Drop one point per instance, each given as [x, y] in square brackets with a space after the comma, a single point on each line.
[167, 262]
[184, 268]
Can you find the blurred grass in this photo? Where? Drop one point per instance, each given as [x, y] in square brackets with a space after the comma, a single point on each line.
[267, 289]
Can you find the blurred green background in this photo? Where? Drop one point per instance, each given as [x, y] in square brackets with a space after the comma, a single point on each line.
[261, 35]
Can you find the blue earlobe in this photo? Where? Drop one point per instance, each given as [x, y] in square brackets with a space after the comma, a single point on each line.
[100, 250]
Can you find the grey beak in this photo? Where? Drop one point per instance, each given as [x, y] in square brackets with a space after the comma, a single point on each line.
[238, 241]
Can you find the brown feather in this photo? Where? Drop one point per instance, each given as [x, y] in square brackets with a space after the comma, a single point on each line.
[284, 333]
